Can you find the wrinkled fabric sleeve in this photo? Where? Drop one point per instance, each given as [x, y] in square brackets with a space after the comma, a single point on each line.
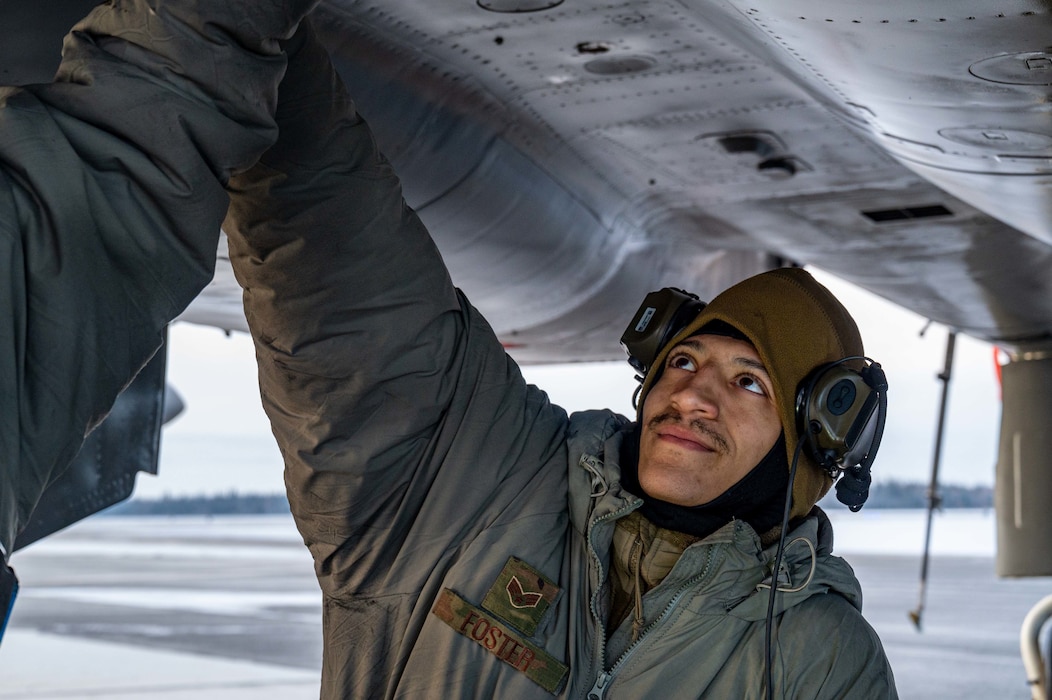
[404, 426]
[843, 659]
[111, 198]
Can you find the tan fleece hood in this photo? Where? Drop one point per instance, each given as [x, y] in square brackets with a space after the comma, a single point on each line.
[795, 324]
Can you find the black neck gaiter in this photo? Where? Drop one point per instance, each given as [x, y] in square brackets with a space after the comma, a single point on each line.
[758, 498]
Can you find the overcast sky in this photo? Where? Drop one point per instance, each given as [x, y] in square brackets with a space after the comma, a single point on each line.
[222, 442]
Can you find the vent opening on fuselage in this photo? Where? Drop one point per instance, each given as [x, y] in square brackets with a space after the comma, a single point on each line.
[925, 212]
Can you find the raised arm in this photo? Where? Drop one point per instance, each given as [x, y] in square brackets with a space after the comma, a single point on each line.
[111, 197]
[400, 417]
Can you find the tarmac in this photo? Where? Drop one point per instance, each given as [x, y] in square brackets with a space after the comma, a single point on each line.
[228, 609]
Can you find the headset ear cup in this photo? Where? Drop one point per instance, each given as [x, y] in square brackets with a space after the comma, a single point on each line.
[838, 412]
[661, 316]
[809, 424]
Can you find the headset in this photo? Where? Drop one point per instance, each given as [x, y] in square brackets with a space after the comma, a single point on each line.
[840, 410]
[840, 414]
[661, 315]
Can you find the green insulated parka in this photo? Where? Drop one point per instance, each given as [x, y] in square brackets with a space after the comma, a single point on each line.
[111, 197]
[461, 524]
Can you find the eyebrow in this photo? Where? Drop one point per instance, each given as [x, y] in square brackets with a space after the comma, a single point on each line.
[698, 346]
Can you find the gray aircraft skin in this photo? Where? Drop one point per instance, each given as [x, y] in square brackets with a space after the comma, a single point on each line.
[569, 157]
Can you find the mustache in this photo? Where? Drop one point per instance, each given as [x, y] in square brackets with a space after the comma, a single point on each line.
[695, 424]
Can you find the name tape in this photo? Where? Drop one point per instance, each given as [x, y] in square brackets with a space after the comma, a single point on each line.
[500, 640]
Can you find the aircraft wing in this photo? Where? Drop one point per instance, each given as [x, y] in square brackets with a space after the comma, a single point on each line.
[568, 157]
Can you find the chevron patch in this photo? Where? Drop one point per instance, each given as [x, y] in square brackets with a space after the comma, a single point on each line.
[522, 596]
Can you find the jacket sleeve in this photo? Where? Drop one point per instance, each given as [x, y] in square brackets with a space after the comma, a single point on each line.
[835, 653]
[404, 426]
[111, 198]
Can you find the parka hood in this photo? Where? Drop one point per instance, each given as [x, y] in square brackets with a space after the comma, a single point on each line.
[805, 572]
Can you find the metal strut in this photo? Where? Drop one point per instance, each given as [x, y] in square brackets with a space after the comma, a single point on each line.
[934, 500]
[1030, 646]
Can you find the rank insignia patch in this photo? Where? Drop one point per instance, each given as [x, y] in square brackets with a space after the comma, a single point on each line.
[522, 595]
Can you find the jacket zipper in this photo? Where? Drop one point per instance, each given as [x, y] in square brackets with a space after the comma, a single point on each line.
[602, 683]
[600, 637]
[598, 485]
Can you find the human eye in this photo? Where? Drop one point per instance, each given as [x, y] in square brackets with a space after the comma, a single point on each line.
[679, 360]
[752, 384]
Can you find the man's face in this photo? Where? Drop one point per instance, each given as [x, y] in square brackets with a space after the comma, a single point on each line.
[707, 422]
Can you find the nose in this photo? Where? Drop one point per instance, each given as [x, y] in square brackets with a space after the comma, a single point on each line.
[697, 393]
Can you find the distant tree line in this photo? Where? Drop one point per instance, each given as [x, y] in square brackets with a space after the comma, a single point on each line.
[232, 503]
[901, 494]
[885, 494]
